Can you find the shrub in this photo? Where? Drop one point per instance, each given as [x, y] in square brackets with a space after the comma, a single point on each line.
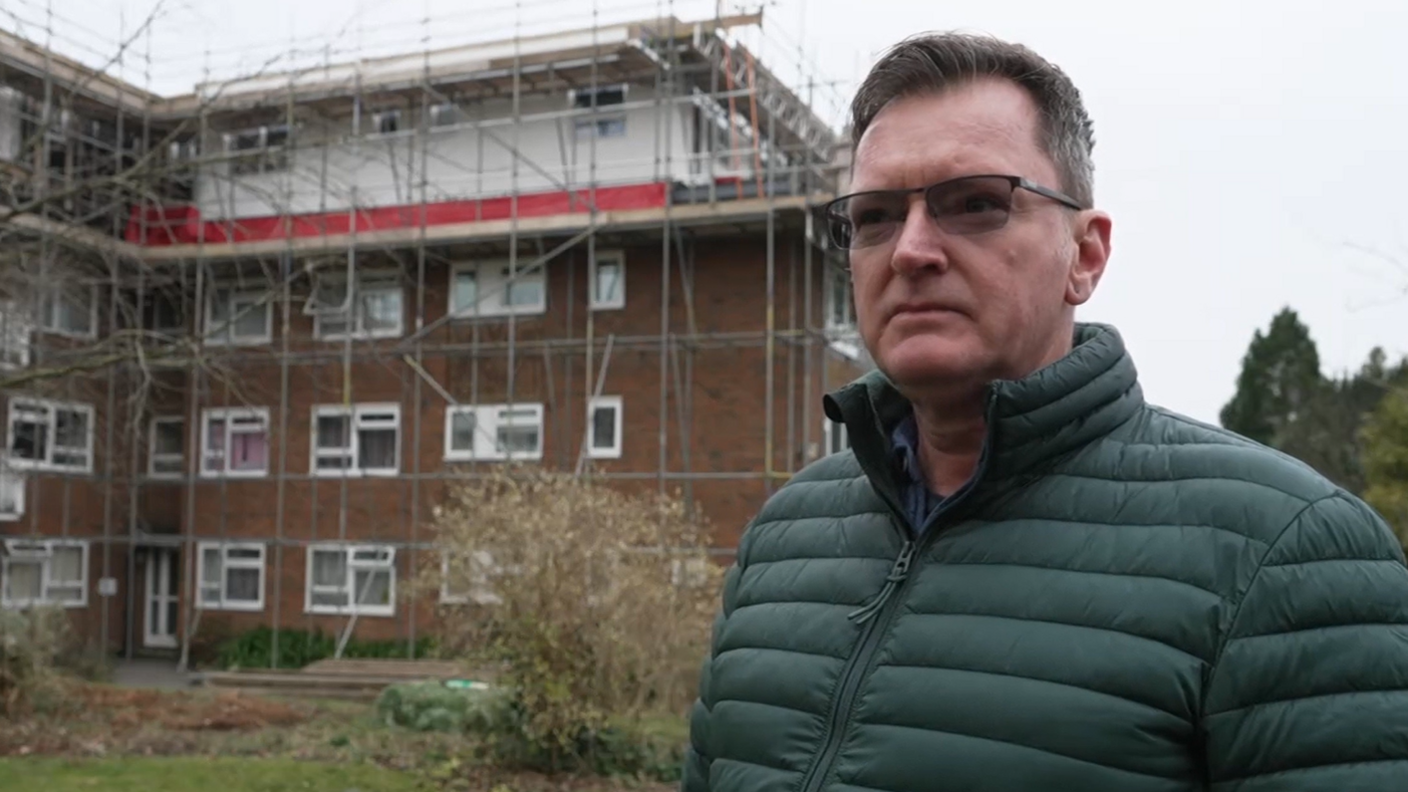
[582, 603]
[433, 706]
[31, 641]
[298, 648]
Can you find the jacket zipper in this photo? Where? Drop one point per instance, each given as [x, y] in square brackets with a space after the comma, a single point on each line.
[873, 616]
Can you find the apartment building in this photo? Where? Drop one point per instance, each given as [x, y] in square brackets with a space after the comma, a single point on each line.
[254, 334]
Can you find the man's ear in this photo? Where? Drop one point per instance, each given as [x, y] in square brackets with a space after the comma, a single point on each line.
[1092, 249]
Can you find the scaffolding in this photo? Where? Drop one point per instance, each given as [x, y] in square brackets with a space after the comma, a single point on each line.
[336, 186]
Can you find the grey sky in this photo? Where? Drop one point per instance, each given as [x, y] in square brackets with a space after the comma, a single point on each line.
[1242, 148]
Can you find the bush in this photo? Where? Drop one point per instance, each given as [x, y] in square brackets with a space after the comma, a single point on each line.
[433, 706]
[583, 604]
[31, 642]
[298, 648]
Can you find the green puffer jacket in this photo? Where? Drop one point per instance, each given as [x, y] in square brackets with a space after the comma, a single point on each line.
[1124, 599]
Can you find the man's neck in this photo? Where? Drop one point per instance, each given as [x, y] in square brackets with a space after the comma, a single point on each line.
[950, 443]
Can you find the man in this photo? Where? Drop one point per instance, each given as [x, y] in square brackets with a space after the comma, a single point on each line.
[1023, 577]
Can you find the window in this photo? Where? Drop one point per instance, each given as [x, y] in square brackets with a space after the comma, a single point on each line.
[71, 311]
[603, 127]
[374, 310]
[598, 96]
[46, 435]
[387, 122]
[234, 442]
[11, 493]
[352, 579]
[691, 572]
[609, 281]
[488, 290]
[494, 432]
[163, 313]
[835, 437]
[167, 458]
[262, 149]
[604, 427]
[468, 581]
[358, 440]
[15, 332]
[231, 576]
[53, 572]
[234, 316]
[838, 299]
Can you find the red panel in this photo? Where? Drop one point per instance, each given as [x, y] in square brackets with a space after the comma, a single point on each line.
[182, 224]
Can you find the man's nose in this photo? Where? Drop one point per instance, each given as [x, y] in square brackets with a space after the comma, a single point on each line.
[919, 244]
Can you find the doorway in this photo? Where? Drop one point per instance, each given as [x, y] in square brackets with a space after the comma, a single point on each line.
[163, 581]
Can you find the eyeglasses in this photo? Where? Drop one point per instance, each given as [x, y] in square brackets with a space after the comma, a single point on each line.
[963, 206]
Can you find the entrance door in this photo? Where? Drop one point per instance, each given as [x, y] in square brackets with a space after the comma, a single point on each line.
[162, 584]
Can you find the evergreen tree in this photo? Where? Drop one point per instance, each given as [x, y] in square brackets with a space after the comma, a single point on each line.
[1280, 381]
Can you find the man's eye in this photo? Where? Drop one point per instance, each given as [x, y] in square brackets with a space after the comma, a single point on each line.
[977, 204]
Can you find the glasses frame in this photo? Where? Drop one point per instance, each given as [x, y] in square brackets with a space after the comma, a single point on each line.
[829, 213]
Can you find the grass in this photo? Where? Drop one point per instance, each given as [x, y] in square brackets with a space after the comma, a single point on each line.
[198, 774]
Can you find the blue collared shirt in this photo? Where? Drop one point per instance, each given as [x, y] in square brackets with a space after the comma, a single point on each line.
[918, 500]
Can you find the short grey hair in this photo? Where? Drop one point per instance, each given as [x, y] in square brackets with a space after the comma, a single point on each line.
[932, 62]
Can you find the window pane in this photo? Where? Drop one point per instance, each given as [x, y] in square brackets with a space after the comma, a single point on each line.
[22, 581]
[518, 439]
[242, 585]
[244, 554]
[335, 599]
[250, 319]
[168, 438]
[71, 429]
[524, 289]
[329, 568]
[608, 281]
[248, 451]
[72, 311]
[462, 426]
[465, 290]
[210, 593]
[376, 449]
[604, 427]
[210, 573]
[66, 565]
[29, 436]
[334, 432]
[373, 587]
[382, 310]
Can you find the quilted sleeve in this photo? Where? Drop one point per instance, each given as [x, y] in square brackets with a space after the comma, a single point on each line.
[697, 757]
[1310, 690]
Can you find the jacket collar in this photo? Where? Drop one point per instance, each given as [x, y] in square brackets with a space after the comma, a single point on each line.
[1031, 421]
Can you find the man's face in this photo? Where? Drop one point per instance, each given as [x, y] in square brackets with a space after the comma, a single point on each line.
[942, 312]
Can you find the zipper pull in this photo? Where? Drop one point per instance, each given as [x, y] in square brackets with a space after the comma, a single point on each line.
[898, 573]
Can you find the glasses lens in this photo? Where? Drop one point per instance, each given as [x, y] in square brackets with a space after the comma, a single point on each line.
[970, 206]
[867, 219]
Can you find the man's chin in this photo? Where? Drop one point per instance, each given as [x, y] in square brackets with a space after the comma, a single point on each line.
[933, 365]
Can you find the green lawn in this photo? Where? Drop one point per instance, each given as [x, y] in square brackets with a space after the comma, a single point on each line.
[196, 774]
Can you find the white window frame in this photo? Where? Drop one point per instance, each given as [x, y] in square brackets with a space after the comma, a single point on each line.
[831, 433]
[153, 456]
[352, 566]
[16, 337]
[41, 550]
[228, 414]
[14, 482]
[382, 115]
[491, 290]
[223, 334]
[488, 418]
[617, 258]
[616, 404]
[372, 281]
[49, 311]
[227, 563]
[445, 114]
[265, 158]
[838, 317]
[356, 414]
[52, 409]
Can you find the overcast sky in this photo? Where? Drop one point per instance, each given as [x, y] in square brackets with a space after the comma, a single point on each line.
[1244, 149]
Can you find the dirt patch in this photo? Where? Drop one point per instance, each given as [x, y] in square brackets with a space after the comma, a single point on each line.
[185, 711]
